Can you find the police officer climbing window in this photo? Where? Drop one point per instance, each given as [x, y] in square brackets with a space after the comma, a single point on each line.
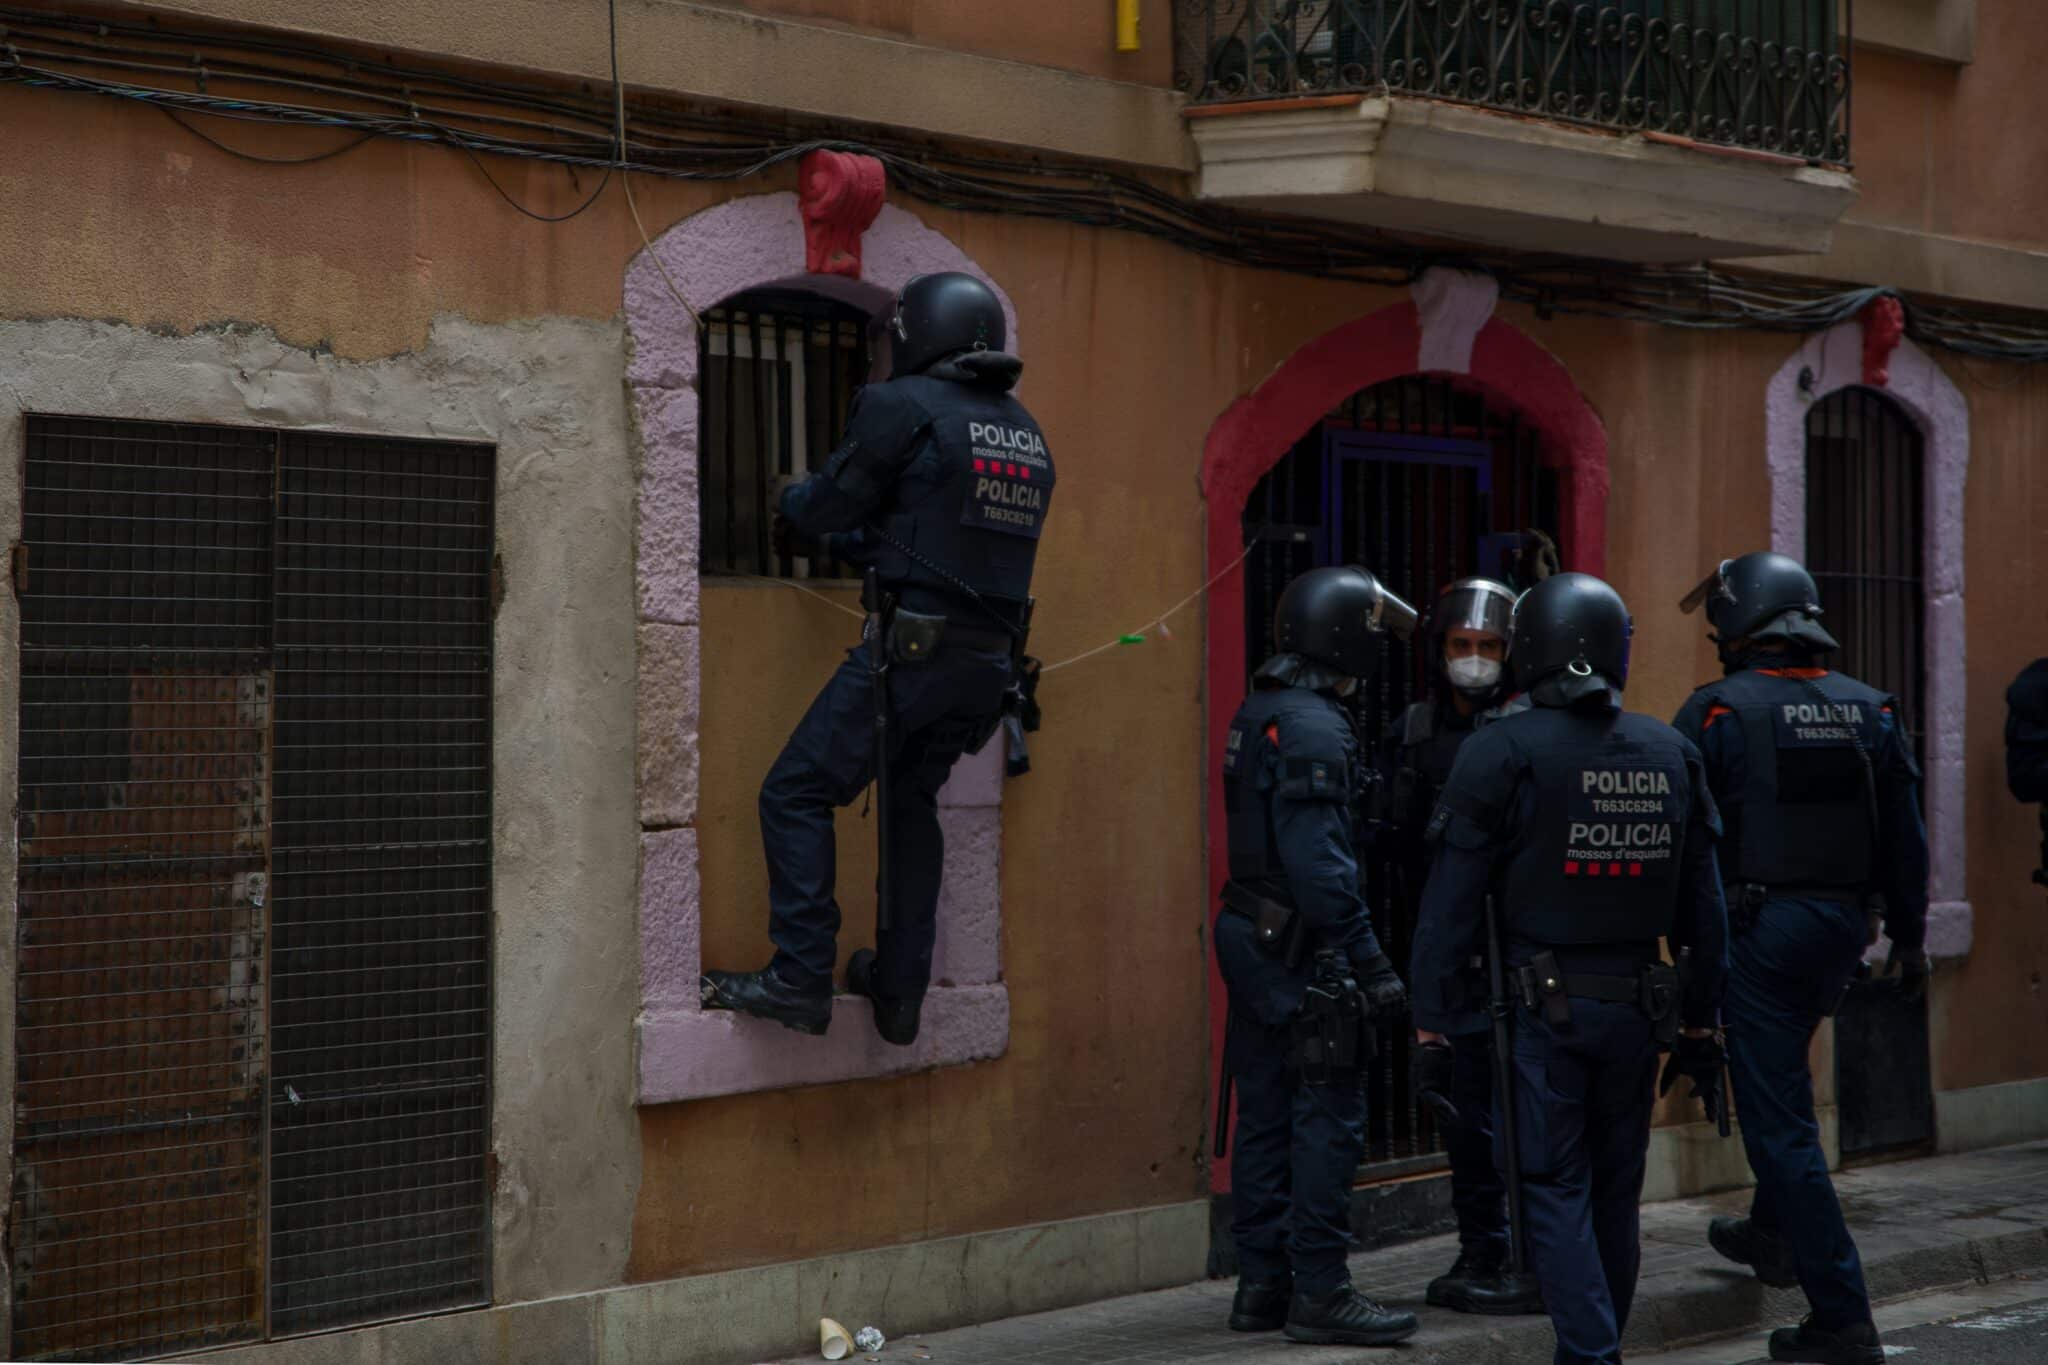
[1816, 783]
[939, 492]
[1302, 967]
[1569, 839]
[1468, 645]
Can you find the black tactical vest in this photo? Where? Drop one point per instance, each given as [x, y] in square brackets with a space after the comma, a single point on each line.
[1428, 736]
[1255, 770]
[1804, 811]
[973, 500]
[1599, 862]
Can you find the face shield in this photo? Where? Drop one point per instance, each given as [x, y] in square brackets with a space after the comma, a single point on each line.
[1475, 604]
[1387, 612]
[1713, 587]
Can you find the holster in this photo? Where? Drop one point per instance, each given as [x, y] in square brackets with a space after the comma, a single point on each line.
[913, 636]
[1333, 1035]
[1544, 981]
[1746, 906]
[1834, 1007]
[1280, 930]
[1661, 989]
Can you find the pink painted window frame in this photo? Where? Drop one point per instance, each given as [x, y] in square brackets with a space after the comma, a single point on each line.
[1938, 408]
[685, 1052]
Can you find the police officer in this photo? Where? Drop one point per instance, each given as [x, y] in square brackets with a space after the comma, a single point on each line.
[1816, 783]
[2026, 747]
[1468, 644]
[1302, 967]
[1592, 829]
[941, 484]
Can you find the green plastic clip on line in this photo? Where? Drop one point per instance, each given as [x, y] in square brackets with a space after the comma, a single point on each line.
[1130, 639]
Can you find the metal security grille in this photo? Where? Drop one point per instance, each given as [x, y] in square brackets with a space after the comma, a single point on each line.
[1864, 469]
[253, 885]
[137, 1221]
[778, 371]
[1865, 465]
[380, 953]
[1416, 479]
[1769, 74]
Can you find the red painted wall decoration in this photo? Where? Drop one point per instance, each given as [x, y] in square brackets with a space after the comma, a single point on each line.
[841, 193]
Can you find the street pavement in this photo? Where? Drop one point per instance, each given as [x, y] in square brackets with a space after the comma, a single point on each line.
[2005, 1323]
[1975, 1220]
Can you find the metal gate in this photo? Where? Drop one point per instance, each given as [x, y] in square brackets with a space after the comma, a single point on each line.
[1417, 479]
[253, 906]
[1865, 481]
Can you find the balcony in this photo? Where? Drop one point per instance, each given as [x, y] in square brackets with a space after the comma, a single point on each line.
[1650, 130]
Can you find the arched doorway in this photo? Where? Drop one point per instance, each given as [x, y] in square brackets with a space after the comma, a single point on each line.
[1459, 394]
[1865, 546]
[1422, 479]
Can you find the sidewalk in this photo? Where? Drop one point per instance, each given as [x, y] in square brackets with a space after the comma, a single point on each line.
[1920, 1225]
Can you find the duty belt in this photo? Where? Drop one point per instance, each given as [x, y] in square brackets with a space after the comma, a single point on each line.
[1745, 900]
[1654, 988]
[977, 637]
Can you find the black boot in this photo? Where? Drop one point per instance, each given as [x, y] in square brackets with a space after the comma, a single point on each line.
[1856, 1345]
[1261, 1305]
[1503, 1294]
[896, 1022]
[1739, 1240]
[765, 995]
[1345, 1318]
[1450, 1289]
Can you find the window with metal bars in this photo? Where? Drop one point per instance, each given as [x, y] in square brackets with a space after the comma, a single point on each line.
[777, 371]
[1865, 481]
[253, 929]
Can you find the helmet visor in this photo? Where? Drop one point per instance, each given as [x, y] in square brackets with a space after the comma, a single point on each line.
[1475, 604]
[1713, 585]
[1388, 611]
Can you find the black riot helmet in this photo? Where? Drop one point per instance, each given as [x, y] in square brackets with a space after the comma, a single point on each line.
[1571, 624]
[941, 315]
[1336, 617]
[1469, 604]
[1762, 596]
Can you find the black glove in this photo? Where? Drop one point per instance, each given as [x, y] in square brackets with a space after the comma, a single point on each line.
[787, 544]
[1911, 966]
[1384, 993]
[1434, 1065]
[1701, 1060]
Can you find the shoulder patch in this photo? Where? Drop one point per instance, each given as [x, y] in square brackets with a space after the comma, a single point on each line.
[1317, 753]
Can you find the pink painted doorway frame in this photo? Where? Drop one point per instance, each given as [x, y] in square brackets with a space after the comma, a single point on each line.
[1448, 327]
[1836, 361]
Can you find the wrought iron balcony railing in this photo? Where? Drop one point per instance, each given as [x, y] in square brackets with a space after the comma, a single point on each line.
[1772, 75]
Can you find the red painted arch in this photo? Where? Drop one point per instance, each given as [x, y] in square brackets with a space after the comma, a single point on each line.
[1258, 429]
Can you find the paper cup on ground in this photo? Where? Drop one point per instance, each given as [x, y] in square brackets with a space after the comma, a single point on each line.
[834, 1343]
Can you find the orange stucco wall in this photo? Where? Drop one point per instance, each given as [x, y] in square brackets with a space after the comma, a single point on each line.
[1133, 350]
[1075, 35]
[1937, 147]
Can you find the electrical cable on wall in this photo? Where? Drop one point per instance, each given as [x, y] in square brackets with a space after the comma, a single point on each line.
[500, 117]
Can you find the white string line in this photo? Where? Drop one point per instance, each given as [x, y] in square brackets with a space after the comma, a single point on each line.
[1158, 620]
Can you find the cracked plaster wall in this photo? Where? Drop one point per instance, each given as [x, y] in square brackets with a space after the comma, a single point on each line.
[550, 395]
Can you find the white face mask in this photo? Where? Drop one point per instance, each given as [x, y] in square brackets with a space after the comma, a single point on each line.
[1473, 673]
